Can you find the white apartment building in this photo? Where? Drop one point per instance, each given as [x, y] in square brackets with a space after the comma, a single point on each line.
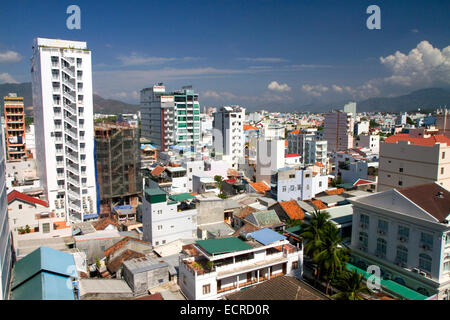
[306, 143]
[168, 218]
[5, 235]
[407, 161]
[269, 158]
[297, 184]
[362, 127]
[213, 268]
[338, 130]
[228, 134]
[369, 141]
[64, 127]
[406, 233]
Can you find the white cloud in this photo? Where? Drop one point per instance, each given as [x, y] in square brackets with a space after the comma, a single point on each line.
[337, 88]
[422, 66]
[275, 86]
[10, 57]
[211, 94]
[7, 78]
[315, 90]
[218, 95]
[270, 60]
[135, 59]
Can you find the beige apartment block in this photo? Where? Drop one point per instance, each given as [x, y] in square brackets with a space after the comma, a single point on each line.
[407, 161]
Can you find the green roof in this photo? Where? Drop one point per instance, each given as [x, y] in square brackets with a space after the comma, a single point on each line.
[223, 245]
[345, 185]
[266, 218]
[294, 230]
[391, 286]
[154, 191]
[181, 197]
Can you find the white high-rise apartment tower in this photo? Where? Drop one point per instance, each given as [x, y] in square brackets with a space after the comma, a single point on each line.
[228, 134]
[63, 116]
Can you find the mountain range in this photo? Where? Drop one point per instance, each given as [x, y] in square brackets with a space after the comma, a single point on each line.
[425, 99]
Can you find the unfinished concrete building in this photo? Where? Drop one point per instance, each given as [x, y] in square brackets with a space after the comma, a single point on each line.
[118, 165]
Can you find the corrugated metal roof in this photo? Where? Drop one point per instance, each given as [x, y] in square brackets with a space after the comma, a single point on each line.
[223, 245]
[181, 197]
[267, 236]
[266, 218]
[44, 286]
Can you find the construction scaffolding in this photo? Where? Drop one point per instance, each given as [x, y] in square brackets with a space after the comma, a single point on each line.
[118, 165]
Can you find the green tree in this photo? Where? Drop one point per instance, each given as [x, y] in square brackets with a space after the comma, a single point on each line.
[330, 257]
[313, 231]
[218, 180]
[373, 124]
[351, 286]
[293, 223]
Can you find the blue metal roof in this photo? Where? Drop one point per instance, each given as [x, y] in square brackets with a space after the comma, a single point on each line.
[44, 259]
[44, 286]
[266, 236]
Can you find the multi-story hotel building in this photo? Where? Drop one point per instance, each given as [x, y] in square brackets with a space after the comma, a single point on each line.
[213, 268]
[64, 128]
[407, 160]
[406, 233]
[14, 128]
[170, 118]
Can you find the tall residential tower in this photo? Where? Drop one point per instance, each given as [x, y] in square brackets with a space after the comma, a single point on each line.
[15, 128]
[63, 115]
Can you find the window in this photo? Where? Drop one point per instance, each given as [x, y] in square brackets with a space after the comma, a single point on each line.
[284, 189]
[447, 265]
[403, 233]
[320, 184]
[364, 238]
[46, 227]
[426, 238]
[381, 247]
[20, 206]
[400, 183]
[443, 155]
[442, 170]
[382, 226]
[160, 227]
[299, 187]
[402, 254]
[447, 239]
[206, 288]
[425, 262]
[400, 169]
[295, 265]
[364, 221]
[292, 188]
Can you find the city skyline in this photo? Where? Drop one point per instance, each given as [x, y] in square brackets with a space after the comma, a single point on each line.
[251, 54]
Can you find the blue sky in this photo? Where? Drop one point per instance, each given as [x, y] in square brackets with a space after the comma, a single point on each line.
[252, 53]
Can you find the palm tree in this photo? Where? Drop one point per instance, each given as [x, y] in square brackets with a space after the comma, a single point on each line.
[352, 286]
[330, 256]
[312, 232]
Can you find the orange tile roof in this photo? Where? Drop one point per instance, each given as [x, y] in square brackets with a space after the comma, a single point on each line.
[295, 132]
[121, 243]
[319, 204]
[431, 141]
[334, 191]
[103, 223]
[248, 127]
[60, 225]
[260, 187]
[293, 210]
[117, 262]
[320, 164]
[291, 155]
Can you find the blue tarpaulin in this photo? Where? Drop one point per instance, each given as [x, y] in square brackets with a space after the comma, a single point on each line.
[266, 236]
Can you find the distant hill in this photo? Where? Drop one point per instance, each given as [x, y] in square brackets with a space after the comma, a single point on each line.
[431, 98]
[101, 105]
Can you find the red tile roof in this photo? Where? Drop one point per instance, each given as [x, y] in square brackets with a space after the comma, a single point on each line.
[293, 210]
[24, 197]
[230, 181]
[245, 212]
[260, 187]
[361, 182]
[431, 197]
[431, 141]
[292, 155]
[295, 132]
[320, 164]
[158, 170]
[117, 262]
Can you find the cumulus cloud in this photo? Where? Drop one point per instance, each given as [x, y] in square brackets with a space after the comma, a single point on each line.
[275, 86]
[218, 95]
[423, 66]
[10, 57]
[7, 78]
[314, 90]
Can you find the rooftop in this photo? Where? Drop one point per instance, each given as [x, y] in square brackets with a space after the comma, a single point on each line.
[279, 288]
[266, 236]
[418, 141]
[223, 245]
[292, 209]
[13, 195]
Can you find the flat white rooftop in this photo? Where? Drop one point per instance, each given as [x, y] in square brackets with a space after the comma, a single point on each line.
[59, 43]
